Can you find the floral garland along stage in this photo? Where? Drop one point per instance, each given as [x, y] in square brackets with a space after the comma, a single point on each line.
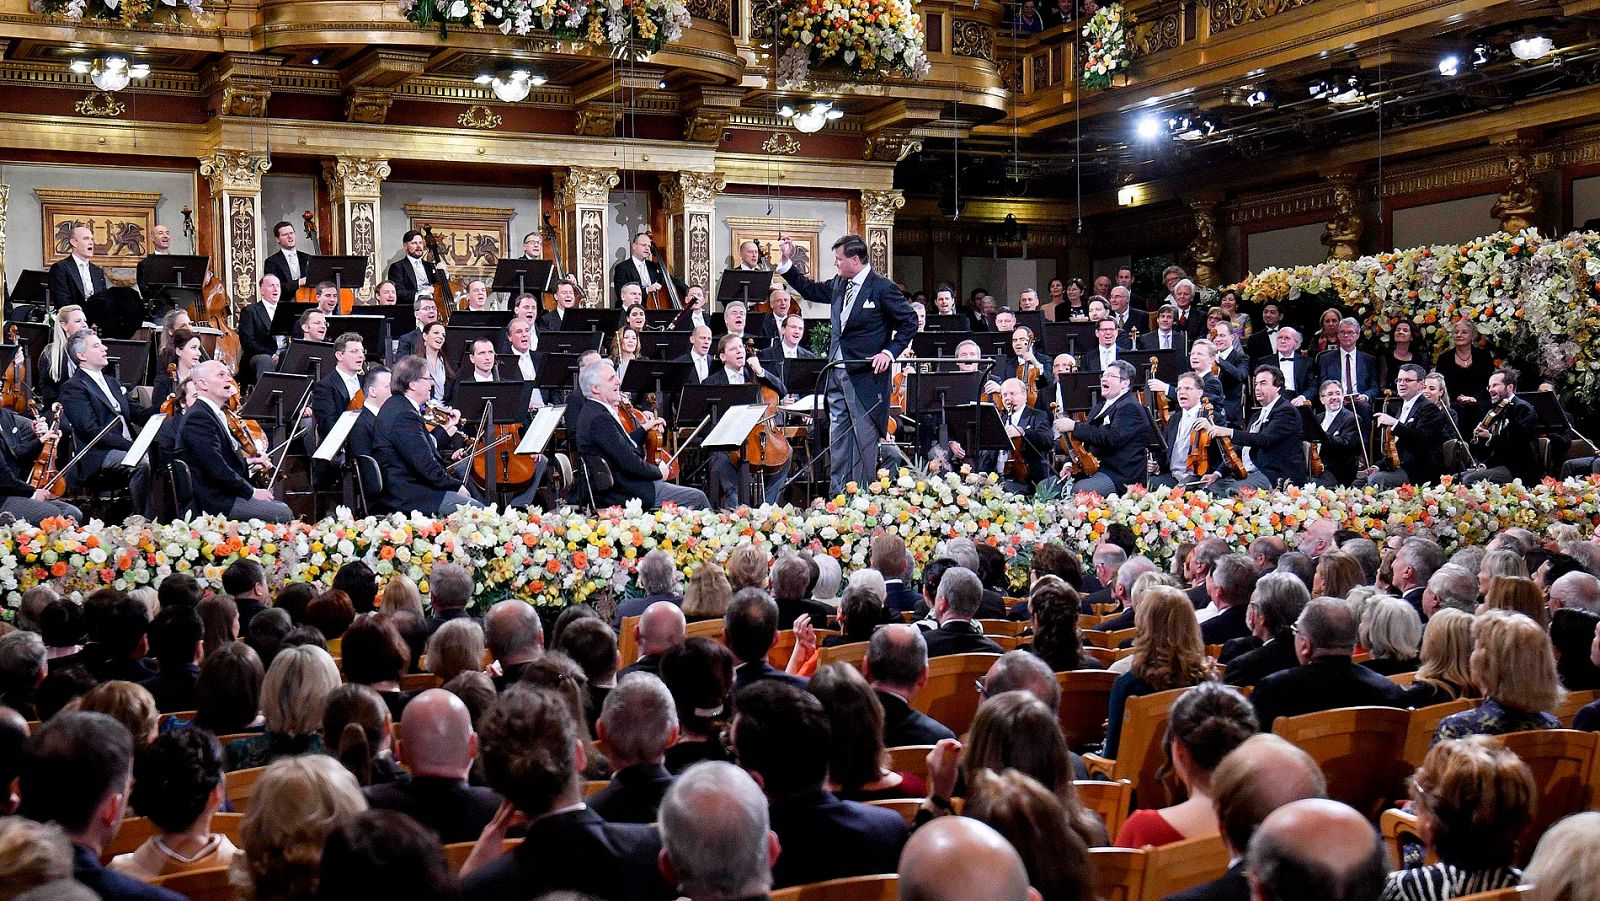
[1105, 46]
[1530, 297]
[570, 557]
[125, 11]
[646, 25]
[861, 39]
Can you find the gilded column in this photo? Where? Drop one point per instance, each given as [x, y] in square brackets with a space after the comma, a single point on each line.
[877, 221]
[353, 183]
[1204, 250]
[235, 180]
[582, 194]
[690, 204]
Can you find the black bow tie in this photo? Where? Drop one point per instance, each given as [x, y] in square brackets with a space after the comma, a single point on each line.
[1287, 359]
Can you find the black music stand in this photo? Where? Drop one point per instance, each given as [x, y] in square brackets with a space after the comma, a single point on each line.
[402, 317]
[288, 314]
[8, 352]
[664, 320]
[1546, 405]
[698, 401]
[801, 375]
[128, 360]
[496, 319]
[558, 372]
[1068, 337]
[32, 288]
[508, 367]
[302, 357]
[1169, 365]
[929, 345]
[591, 319]
[343, 271]
[273, 398]
[664, 345]
[1079, 389]
[952, 323]
[374, 331]
[935, 390]
[660, 377]
[518, 277]
[458, 339]
[176, 271]
[569, 342]
[742, 285]
[1032, 320]
[35, 335]
[509, 400]
[978, 427]
[991, 344]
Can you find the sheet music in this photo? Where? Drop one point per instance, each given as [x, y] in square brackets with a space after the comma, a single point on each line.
[735, 426]
[811, 403]
[539, 432]
[329, 449]
[141, 445]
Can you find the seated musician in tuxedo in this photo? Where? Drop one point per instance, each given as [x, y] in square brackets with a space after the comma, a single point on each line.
[787, 347]
[220, 469]
[734, 321]
[1123, 312]
[694, 314]
[632, 296]
[1337, 434]
[73, 279]
[257, 345]
[1272, 447]
[427, 313]
[288, 263]
[1165, 336]
[477, 294]
[1203, 363]
[1419, 433]
[1108, 347]
[93, 399]
[312, 325]
[1299, 381]
[332, 396]
[768, 325]
[1116, 432]
[519, 333]
[327, 301]
[526, 308]
[1030, 426]
[1063, 365]
[1355, 370]
[21, 441]
[414, 478]
[1263, 342]
[1172, 466]
[699, 354]
[602, 439]
[364, 434]
[482, 369]
[1233, 370]
[1505, 442]
[566, 299]
[55, 364]
[412, 274]
[736, 369]
[642, 269]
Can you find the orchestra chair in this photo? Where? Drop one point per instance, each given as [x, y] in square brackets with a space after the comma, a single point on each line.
[1085, 697]
[180, 482]
[210, 884]
[1361, 751]
[852, 888]
[368, 484]
[1111, 800]
[949, 695]
[1139, 754]
[912, 759]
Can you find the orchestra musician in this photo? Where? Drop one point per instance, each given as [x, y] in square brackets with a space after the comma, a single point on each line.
[186, 352]
[938, 454]
[533, 245]
[566, 299]
[699, 355]
[633, 317]
[944, 300]
[1202, 362]
[164, 448]
[411, 273]
[1005, 320]
[787, 347]
[160, 246]
[1165, 336]
[871, 322]
[1355, 370]
[519, 333]
[733, 319]
[1234, 369]
[750, 257]
[477, 294]
[364, 434]
[431, 353]
[1063, 365]
[1123, 312]
[625, 349]
[1508, 442]
[408, 453]
[1335, 431]
[21, 441]
[220, 468]
[1419, 431]
[524, 307]
[1271, 448]
[1108, 347]
[327, 301]
[1022, 353]
[602, 439]
[1171, 468]
[641, 268]
[92, 399]
[632, 295]
[1298, 379]
[1030, 424]
[257, 344]
[426, 314]
[482, 360]
[55, 364]
[1263, 343]
[1116, 432]
[730, 480]
[288, 264]
[694, 301]
[575, 399]
[921, 309]
[331, 396]
[766, 325]
[385, 295]
[73, 279]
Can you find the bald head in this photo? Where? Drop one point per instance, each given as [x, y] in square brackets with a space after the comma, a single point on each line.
[436, 737]
[660, 628]
[1576, 589]
[1316, 850]
[513, 632]
[1261, 775]
[1317, 538]
[961, 859]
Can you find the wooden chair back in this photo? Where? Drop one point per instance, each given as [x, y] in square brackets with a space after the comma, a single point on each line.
[419, 681]
[1119, 873]
[238, 785]
[853, 888]
[455, 854]
[906, 807]
[135, 831]
[706, 628]
[1403, 680]
[628, 640]
[1361, 751]
[1399, 828]
[1106, 656]
[1111, 800]
[1562, 761]
[1085, 694]
[781, 650]
[1008, 642]
[853, 653]
[1515, 893]
[950, 695]
[210, 884]
[1139, 754]
[1183, 865]
[591, 786]
[1111, 640]
[161, 722]
[911, 759]
[1089, 621]
[1424, 723]
[993, 627]
[1572, 703]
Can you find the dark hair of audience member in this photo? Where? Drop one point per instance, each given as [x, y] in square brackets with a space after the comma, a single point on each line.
[228, 691]
[220, 617]
[565, 619]
[331, 612]
[69, 766]
[415, 632]
[13, 733]
[699, 673]
[1034, 821]
[174, 776]
[305, 634]
[179, 590]
[293, 599]
[992, 568]
[61, 624]
[859, 613]
[266, 632]
[174, 635]
[476, 690]
[855, 722]
[60, 688]
[359, 584]
[1015, 730]
[373, 650]
[1053, 559]
[384, 854]
[783, 734]
[592, 645]
[556, 672]
[1056, 639]
[353, 727]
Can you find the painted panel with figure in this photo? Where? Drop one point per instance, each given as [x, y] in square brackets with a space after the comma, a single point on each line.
[121, 222]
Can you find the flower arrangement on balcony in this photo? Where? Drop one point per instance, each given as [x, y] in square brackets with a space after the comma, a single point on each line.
[646, 25]
[125, 11]
[862, 40]
[1105, 46]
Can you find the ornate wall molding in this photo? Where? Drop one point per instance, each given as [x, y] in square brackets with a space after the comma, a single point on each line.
[350, 176]
[245, 81]
[1226, 14]
[583, 194]
[972, 38]
[480, 117]
[891, 145]
[584, 184]
[880, 206]
[234, 170]
[1304, 200]
[1161, 33]
[355, 184]
[100, 105]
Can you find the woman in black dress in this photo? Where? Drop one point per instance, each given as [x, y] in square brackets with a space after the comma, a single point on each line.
[1466, 369]
[1400, 353]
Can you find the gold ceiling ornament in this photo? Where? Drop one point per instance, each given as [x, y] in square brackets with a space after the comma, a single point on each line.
[100, 105]
[480, 117]
[781, 144]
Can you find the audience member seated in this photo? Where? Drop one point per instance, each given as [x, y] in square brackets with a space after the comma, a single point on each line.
[750, 630]
[36, 862]
[658, 577]
[961, 859]
[449, 591]
[860, 614]
[126, 703]
[123, 643]
[1271, 614]
[295, 805]
[1472, 799]
[228, 690]
[1324, 640]
[716, 842]
[61, 688]
[593, 646]
[514, 636]
[781, 736]
[76, 772]
[1051, 559]
[790, 578]
[293, 696]
[1336, 573]
[176, 638]
[23, 666]
[1566, 863]
[1515, 670]
[1035, 822]
[699, 673]
[438, 745]
[1392, 634]
[856, 758]
[267, 632]
[896, 666]
[455, 647]
[533, 753]
[1022, 671]
[359, 733]
[1205, 725]
[1124, 591]
[955, 605]
[1229, 586]
[637, 725]
[383, 854]
[1315, 850]
[569, 615]
[659, 629]
[1445, 673]
[1453, 586]
[709, 594]
[219, 620]
[889, 557]
[1167, 654]
[1053, 619]
[330, 613]
[13, 735]
[476, 690]
[1517, 595]
[375, 655]
[177, 784]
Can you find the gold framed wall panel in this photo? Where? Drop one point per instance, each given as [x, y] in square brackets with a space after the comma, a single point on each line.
[120, 220]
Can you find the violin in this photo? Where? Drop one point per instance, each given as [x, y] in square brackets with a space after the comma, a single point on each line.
[436, 414]
[360, 399]
[1391, 448]
[14, 390]
[1314, 463]
[46, 475]
[766, 450]
[169, 406]
[897, 400]
[1232, 462]
[251, 437]
[512, 471]
[1016, 465]
[1199, 459]
[1163, 405]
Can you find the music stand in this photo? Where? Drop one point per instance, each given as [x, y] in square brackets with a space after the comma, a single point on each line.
[1169, 365]
[402, 317]
[33, 288]
[942, 389]
[343, 271]
[36, 335]
[657, 376]
[663, 320]
[129, 360]
[930, 345]
[664, 345]
[991, 344]
[698, 401]
[458, 339]
[288, 313]
[742, 284]
[1546, 405]
[569, 342]
[510, 400]
[558, 372]
[496, 319]
[176, 271]
[1078, 389]
[374, 332]
[801, 375]
[274, 392]
[518, 277]
[508, 367]
[304, 357]
[979, 428]
[1032, 320]
[591, 319]
[954, 322]
[1069, 337]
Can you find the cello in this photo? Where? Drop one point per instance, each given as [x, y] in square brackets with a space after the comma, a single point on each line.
[214, 309]
[512, 471]
[766, 450]
[666, 297]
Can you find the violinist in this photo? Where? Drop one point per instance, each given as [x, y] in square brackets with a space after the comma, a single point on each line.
[1029, 424]
[219, 466]
[431, 353]
[482, 358]
[21, 441]
[1202, 362]
[1109, 347]
[1022, 354]
[787, 347]
[575, 399]
[1272, 447]
[257, 344]
[519, 333]
[566, 299]
[185, 352]
[92, 399]
[1117, 432]
[483, 370]
[641, 268]
[363, 435]
[477, 294]
[1334, 430]
[1298, 379]
[414, 478]
[1165, 336]
[171, 321]
[602, 438]
[624, 349]
[728, 479]
[733, 321]
[288, 264]
[1419, 431]
[331, 396]
[427, 313]
[1233, 369]
[411, 274]
[1506, 435]
[56, 365]
[1175, 467]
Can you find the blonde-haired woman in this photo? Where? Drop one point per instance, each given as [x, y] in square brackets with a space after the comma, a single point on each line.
[1518, 595]
[294, 695]
[456, 648]
[748, 567]
[1336, 574]
[1446, 670]
[293, 808]
[54, 366]
[1392, 632]
[1566, 864]
[1167, 653]
[708, 593]
[1515, 668]
[126, 702]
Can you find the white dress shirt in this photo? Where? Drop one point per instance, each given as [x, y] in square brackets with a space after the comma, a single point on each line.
[735, 376]
[702, 365]
[291, 258]
[1328, 417]
[1180, 444]
[84, 275]
[1249, 465]
[105, 388]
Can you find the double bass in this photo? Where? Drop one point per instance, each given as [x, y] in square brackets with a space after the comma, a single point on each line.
[665, 297]
[214, 309]
[444, 290]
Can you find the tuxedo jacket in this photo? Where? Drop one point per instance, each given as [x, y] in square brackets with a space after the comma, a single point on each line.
[601, 436]
[87, 410]
[413, 477]
[1118, 435]
[363, 435]
[1234, 373]
[774, 354]
[549, 321]
[1512, 441]
[1151, 340]
[1340, 442]
[405, 278]
[1276, 446]
[255, 332]
[1420, 441]
[329, 400]
[1211, 387]
[219, 472]
[719, 376]
[1306, 383]
[577, 852]
[1135, 318]
[1262, 344]
[19, 447]
[881, 320]
[278, 264]
[1192, 321]
[65, 285]
[626, 273]
[1037, 433]
[1091, 357]
[1170, 436]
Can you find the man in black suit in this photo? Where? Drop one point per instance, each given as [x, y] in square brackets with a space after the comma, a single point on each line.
[896, 666]
[288, 264]
[160, 246]
[1124, 313]
[781, 736]
[1337, 435]
[1506, 438]
[1191, 319]
[658, 577]
[1274, 606]
[414, 479]
[1324, 639]
[871, 321]
[1108, 347]
[888, 556]
[1166, 335]
[733, 481]
[1031, 426]
[1171, 467]
[515, 638]
[73, 279]
[1299, 377]
[602, 439]
[788, 346]
[331, 397]
[1419, 432]
[364, 434]
[750, 629]
[533, 754]
[1117, 433]
[1414, 565]
[955, 603]
[412, 274]
[93, 399]
[1354, 369]
[219, 468]
[566, 299]
[1234, 370]
[717, 838]
[246, 582]
[699, 356]
[660, 629]
[636, 726]
[770, 323]
[1230, 585]
[1263, 342]
[257, 344]
[436, 743]
[642, 269]
[1271, 447]
[426, 313]
[21, 441]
